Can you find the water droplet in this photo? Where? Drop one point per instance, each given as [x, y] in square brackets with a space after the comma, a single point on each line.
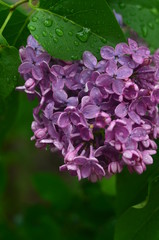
[151, 25]
[15, 78]
[76, 43]
[36, 37]
[74, 57]
[139, 7]
[83, 35]
[65, 19]
[44, 34]
[104, 40]
[55, 40]
[144, 31]
[122, 5]
[59, 32]
[48, 23]
[34, 19]
[154, 11]
[31, 28]
[70, 33]
[51, 35]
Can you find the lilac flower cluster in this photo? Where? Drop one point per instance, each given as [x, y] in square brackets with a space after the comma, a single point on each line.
[101, 115]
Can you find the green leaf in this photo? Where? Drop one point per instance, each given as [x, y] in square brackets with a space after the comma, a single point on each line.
[92, 14]
[132, 188]
[68, 37]
[141, 223]
[53, 189]
[3, 41]
[9, 62]
[142, 16]
[16, 31]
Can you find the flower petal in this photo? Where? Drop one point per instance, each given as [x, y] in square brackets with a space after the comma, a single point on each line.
[107, 52]
[89, 60]
[90, 111]
[124, 72]
[121, 110]
[63, 120]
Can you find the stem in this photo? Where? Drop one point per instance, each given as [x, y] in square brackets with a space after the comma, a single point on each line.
[4, 4]
[12, 8]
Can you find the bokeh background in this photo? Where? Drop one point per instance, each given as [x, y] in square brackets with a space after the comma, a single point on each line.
[38, 202]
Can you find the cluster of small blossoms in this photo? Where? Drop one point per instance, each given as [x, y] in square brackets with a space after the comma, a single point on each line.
[101, 115]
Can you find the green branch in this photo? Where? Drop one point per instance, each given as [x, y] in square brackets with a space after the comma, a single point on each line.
[12, 8]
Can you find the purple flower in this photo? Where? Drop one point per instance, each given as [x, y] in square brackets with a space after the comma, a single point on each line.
[138, 53]
[101, 115]
[89, 168]
[32, 63]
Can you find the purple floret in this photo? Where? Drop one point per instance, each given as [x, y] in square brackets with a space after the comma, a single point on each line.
[101, 115]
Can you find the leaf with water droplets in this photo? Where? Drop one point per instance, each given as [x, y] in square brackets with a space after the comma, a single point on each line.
[57, 36]
[142, 16]
[75, 23]
[90, 14]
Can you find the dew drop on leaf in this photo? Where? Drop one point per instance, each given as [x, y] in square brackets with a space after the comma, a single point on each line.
[51, 35]
[59, 32]
[15, 78]
[122, 5]
[151, 25]
[144, 31]
[104, 40]
[70, 33]
[34, 19]
[154, 11]
[139, 7]
[55, 40]
[76, 43]
[31, 28]
[44, 34]
[48, 23]
[83, 35]
[36, 37]
[65, 19]
[74, 57]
